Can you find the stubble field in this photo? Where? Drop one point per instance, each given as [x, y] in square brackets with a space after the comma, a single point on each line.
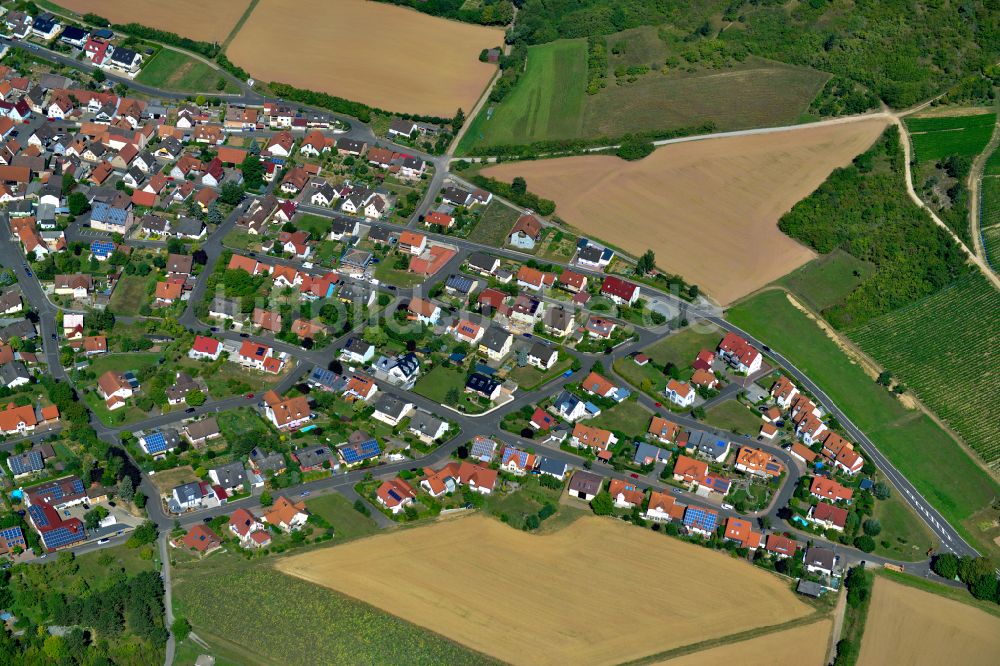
[382, 55]
[204, 21]
[800, 646]
[709, 209]
[565, 597]
[910, 626]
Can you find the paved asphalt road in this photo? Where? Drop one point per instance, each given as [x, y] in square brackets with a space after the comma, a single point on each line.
[469, 425]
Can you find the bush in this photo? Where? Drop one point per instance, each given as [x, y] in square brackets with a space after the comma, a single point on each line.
[864, 543]
[634, 149]
[872, 527]
[945, 565]
[526, 199]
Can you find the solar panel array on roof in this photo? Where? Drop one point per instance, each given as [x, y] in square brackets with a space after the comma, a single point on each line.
[701, 518]
[38, 516]
[62, 536]
[522, 456]
[363, 451]
[102, 248]
[13, 536]
[31, 461]
[483, 449]
[155, 442]
[394, 495]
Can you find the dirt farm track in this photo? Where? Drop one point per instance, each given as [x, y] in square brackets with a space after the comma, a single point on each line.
[910, 626]
[383, 55]
[595, 592]
[709, 209]
[205, 21]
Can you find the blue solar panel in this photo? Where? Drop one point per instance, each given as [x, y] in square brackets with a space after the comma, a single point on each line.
[61, 536]
[701, 518]
[38, 516]
[13, 536]
[155, 443]
[522, 456]
[31, 462]
[362, 451]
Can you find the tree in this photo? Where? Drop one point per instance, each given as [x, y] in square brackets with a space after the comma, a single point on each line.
[884, 378]
[374, 335]
[98, 76]
[92, 519]
[180, 628]
[452, 396]
[78, 204]
[872, 527]
[635, 149]
[646, 263]
[865, 543]
[671, 370]
[519, 185]
[195, 398]
[55, 648]
[971, 569]
[126, 490]
[214, 215]
[458, 121]
[602, 505]
[360, 507]
[231, 193]
[145, 533]
[881, 490]
[945, 565]
[253, 172]
[266, 499]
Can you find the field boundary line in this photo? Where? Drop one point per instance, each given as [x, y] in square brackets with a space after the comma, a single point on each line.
[739, 637]
[974, 184]
[240, 22]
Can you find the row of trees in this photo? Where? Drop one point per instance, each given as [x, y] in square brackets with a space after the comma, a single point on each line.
[977, 573]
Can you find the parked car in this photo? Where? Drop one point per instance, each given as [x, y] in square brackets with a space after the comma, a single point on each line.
[189, 410]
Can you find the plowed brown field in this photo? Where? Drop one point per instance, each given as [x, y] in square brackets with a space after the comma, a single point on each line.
[383, 55]
[595, 592]
[709, 209]
[197, 19]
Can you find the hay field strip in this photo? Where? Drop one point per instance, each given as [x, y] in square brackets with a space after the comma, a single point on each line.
[197, 19]
[386, 56]
[801, 645]
[709, 209]
[910, 626]
[595, 592]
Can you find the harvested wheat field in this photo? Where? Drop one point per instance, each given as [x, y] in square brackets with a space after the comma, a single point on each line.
[709, 209]
[910, 626]
[595, 592]
[386, 56]
[800, 646]
[196, 19]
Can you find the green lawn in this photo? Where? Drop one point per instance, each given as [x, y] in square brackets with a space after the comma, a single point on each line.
[266, 617]
[628, 417]
[227, 379]
[317, 226]
[435, 386]
[920, 449]
[904, 536]
[682, 347]
[339, 512]
[384, 272]
[934, 138]
[529, 377]
[241, 240]
[731, 415]
[643, 377]
[494, 225]
[131, 293]
[173, 70]
[827, 280]
[122, 362]
[546, 103]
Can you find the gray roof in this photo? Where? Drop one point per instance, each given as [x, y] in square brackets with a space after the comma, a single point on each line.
[566, 401]
[313, 456]
[809, 588]
[541, 351]
[589, 253]
[495, 338]
[391, 405]
[225, 305]
[707, 443]
[203, 428]
[425, 422]
[460, 283]
[820, 557]
[586, 482]
[408, 365]
[231, 475]
[483, 262]
[481, 384]
[23, 329]
[358, 346]
[10, 298]
[187, 226]
[552, 466]
[9, 372]
[188, 492]
[557, 318]
[267, 460]
[646, 450]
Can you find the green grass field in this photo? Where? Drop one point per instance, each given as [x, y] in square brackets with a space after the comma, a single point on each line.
[550, 102]
[494, 225]
[122, 362]
[918, 447]
[934, 138]
[628, 417]
[173, 70]
[316, 225]
[681, 348]
[529, 377]
[734, 417]
[826, 280]
[435, 386]
[990, 220]
[384, 272]
[261, 616]
[904, 536]
[992, 166]
[547, 102]
[131, 294]
[943, 347]
[339, 512]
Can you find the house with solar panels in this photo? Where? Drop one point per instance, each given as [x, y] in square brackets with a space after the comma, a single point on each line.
[360, 447]
[45, 503]
[159, 442]
[11, 538]
[701, 521]
[483, 449]
[395, 495]
[516, 461]
[116, 219]
[61, 493]
[102, 249]
[30, 462]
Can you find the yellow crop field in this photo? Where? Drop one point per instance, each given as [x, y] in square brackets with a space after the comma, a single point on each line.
[595, 592]
[799, 646]
[386, 56]
[910, 626]
[709, 209]
[197, 19]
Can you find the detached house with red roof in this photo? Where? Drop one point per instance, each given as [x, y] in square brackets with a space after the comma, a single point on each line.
[625, 494]
[246, 527]
[205, 348]
[619, 291]
[829, 516]
[680, 393]
[780, 546]
[201, 540]
[395, 495]
[741, 532]
[525, 233]
[596, 439]
[830, 490]
[740, 354]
